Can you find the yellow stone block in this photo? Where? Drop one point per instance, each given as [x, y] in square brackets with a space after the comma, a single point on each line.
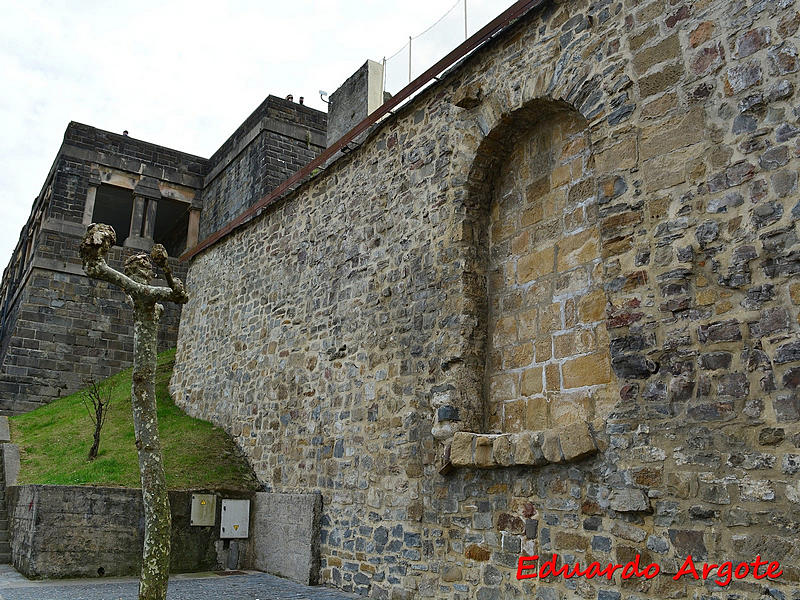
[519, 356]
[574, 342]
[723, 307]
[705, 297]
[544, 349]
[578, 249]
[535, 265]
[537, 418]
[503, 387]
[514, 416]
[592, 307]
[461, 448]
[553, 377]
[532, 381]
[592, 369]
[794, 293]
[505, 332]
[526, 324]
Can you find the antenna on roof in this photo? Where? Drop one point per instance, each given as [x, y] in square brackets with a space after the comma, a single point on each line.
[322, 94]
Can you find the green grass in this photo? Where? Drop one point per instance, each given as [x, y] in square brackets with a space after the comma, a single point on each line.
[54, 442]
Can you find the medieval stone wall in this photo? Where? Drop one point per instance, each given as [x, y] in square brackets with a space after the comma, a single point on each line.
[349, 337]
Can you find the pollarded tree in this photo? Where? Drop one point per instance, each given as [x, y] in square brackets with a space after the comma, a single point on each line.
[135, 282]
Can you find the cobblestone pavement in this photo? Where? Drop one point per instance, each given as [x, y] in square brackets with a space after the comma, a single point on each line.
[247, 585]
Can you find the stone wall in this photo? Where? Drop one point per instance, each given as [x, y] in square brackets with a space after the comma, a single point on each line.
[70, 329]
[343, 337]
[60, 329]
[66, 531]
[279, 138]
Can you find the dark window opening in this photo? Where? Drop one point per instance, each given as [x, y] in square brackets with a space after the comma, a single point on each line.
[113, 206]
[172, 225]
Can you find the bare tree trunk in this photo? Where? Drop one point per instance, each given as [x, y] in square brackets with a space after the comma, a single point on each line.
[157, 519]
[98, 425]
[135, 282]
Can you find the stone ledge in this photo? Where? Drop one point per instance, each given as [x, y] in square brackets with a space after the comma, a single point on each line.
[5, 433]
[527, 448]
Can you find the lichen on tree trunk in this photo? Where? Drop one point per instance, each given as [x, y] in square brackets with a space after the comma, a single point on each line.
[135, 282]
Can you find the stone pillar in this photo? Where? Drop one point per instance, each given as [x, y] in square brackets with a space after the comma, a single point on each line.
[88, 208]
[151, 207]
[91, 194]
[146, 195]
[193, 234]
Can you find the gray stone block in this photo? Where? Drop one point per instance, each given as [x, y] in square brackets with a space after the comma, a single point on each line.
[5, 433]
[285, 535]
[10, 462]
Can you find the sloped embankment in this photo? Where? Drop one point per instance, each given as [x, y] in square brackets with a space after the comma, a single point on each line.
[54, 442]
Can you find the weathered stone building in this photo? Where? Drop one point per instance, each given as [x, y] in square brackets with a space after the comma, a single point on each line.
[59, 328]
[548, 307]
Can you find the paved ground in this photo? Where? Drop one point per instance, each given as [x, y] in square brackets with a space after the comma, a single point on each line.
[247, 585]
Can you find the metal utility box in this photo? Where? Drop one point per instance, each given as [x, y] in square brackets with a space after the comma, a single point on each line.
[204, 510]
[235, 518]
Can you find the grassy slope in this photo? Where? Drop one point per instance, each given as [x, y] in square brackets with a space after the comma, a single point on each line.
[54, 441]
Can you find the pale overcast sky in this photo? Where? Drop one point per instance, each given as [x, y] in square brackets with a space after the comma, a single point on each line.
[182, 74]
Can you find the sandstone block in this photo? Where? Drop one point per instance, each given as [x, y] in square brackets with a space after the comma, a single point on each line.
[661, 80]
[518, 356]
[503, 387]
[461, 448]
[528, 448]
[574, 342]
[576, 441]
[553, 377]
[551, 447]
[668, 49]
[622, 155]
[794, 293]
[592, 369]
[676, 133]
[578, 249]
[531, 383]
[592, 306]
[483, 451]
[535, 265]
[536, 417]
[503, 450]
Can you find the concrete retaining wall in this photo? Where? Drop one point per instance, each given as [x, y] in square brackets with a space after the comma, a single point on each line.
[65, 531]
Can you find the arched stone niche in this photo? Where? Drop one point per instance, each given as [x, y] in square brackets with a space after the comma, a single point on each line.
[539, 358]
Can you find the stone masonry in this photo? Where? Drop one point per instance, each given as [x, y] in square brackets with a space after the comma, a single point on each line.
[60, 329]
[550, 306]
[62, 531]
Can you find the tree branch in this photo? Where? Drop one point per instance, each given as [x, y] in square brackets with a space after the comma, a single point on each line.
[95, 246]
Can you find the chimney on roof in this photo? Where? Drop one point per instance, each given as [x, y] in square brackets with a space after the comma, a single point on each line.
[125, 133]
[290, 98]
[301, 100]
